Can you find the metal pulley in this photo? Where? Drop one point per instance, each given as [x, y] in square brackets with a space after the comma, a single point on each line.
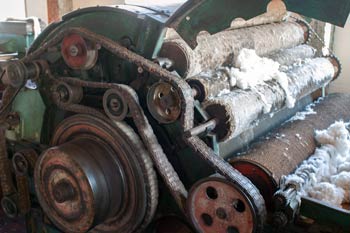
[68, 94]
[91, 177]
[164, 103]
[217, 205]
[115, 105]
[79, 53]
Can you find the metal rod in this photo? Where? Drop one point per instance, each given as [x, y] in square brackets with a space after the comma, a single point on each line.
[203, 128]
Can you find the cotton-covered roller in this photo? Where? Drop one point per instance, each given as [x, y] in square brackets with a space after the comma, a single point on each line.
[283, 150]
[213, 83]
[222, 48]
[240, 110]
[290, 56]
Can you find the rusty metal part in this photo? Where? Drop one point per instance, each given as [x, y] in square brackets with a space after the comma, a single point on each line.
[24, 161]
[307, 30]
[164, 103]
[7, 185]
[11, 120]
[336, 64]
[98, 174]
[241, 109]
[23, 202]
[20, 164]
[172, 224]
[18, 72]
[160, 160]
[9, 206]
[216, 205]
[68, 94]
[79, 53]
[202, 128]
[283, 197]
[177, 52]
[232, 175]
[222, 48]
[34, 69]
[8, 96]
[181, 86]
[287, 147]
[261, 178]
[15, 74]
[115, 105]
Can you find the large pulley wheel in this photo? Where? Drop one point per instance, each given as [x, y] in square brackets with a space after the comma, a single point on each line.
[217, 205]
[97, 176]
[79, 53]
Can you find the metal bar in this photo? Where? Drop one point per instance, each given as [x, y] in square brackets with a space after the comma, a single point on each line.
[203, 128]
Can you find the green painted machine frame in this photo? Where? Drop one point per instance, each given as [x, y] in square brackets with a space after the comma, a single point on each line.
[144, 32]
[325, 214]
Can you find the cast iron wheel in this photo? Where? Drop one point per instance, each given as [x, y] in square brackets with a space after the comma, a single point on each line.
[97, 177]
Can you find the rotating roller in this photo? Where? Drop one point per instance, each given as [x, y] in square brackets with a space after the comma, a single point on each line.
[241, 109]
[221, 49]
[290, 56]
[280, 153]
[210, 84]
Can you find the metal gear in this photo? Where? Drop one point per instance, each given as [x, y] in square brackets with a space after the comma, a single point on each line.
[115, 193]
[307, 34]
[336, 63]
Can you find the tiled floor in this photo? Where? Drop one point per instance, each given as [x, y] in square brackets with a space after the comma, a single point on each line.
[11, 225]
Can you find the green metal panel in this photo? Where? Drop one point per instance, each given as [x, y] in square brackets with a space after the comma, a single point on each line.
[114, 23]
[30, 107]
[212, 16]
[332, 11]
[325, 214]
[216, 15]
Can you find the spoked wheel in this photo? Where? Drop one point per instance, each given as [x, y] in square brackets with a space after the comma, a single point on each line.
[97, 176]
[217, 205]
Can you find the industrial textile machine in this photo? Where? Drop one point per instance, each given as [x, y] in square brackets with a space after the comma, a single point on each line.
[140, 119]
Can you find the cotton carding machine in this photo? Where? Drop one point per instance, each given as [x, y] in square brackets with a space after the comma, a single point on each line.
[127, 128]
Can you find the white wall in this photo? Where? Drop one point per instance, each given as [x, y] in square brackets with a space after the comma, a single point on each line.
[342, 51]
[37, 8]
[12, 8]
[84, 3]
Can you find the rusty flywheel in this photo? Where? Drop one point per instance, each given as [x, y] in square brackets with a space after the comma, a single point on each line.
[97, 176]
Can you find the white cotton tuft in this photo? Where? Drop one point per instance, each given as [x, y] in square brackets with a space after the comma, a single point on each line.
[336, 135]
[344, 167]
[327, 192]
[342, 180]
[328, 169]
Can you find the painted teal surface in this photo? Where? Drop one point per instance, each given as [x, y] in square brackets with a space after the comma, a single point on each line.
[114, 23]
[332, 11]
[212, 16]
[216, 15]
[30, 107]
[324, 214]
